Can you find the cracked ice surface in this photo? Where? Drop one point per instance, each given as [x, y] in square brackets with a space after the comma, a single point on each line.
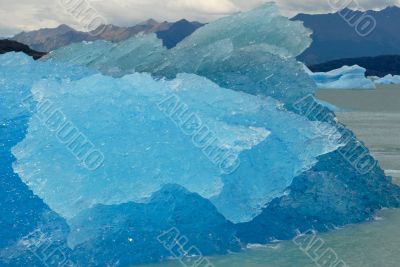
[128, 120]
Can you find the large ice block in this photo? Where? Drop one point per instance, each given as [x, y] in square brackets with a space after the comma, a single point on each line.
[219, 138]
[156, 132]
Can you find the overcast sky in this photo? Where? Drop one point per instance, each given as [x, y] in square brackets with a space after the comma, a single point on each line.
[19, 15]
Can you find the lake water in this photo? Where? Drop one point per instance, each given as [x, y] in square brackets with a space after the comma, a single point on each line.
[374, 115]
[373, 244]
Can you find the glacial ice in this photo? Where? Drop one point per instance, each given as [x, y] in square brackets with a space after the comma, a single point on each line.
[388, 79]
[17, 75]
[241, 52]
[266, 172]
[140, 127]
[129, 236]
[346, 77]
[249, 52]
[21, 211]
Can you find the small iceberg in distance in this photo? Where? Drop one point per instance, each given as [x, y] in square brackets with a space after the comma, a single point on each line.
[346, 77]
[388, 79]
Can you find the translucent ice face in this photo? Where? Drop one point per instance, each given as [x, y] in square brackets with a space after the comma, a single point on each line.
[110, 141]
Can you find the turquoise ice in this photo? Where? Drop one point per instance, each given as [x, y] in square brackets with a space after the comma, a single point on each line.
[147, 141]
[125, 141]
[252, 52]
[346, 77]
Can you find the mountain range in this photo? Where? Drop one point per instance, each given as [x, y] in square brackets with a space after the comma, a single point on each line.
[49, 39]
[335, 35]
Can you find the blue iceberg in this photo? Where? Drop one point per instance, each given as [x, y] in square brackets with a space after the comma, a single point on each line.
[163, 132]
[130, 153]
[347, 77]
[388, 79]
[202, 230]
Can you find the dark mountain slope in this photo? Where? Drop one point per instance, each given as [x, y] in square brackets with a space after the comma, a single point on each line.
[177, 32]
[12, 46]
[47, 39]
[335, 38]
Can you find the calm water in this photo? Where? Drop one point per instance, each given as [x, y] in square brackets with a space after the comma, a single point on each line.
[373, 244]
[374, 115]
[375, 118]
